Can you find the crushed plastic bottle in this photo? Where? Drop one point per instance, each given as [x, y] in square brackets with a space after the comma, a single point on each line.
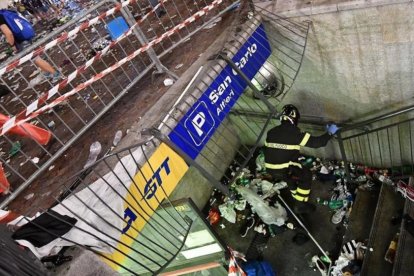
[15, 148]
[117, 138]
[94, 151]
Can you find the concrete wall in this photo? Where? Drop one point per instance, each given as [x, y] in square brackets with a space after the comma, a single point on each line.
[357, 62]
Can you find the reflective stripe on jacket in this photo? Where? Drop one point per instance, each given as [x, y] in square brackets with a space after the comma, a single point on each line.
[283, 143]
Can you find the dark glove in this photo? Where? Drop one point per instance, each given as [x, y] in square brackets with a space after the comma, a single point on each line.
[332, 129]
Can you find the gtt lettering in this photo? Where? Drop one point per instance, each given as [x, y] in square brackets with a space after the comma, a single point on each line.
[156, 180]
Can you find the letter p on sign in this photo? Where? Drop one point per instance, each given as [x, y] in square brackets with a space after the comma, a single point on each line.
[198, 122]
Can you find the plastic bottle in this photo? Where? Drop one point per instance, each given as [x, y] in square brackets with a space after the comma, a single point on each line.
[322, 201]
[94, 151]
[392, 249]
[385, 179]
[308, 162]
[336, 204]
[117, 138]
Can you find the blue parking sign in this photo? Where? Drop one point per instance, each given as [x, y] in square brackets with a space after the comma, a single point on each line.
[197, 126]
[199, 123]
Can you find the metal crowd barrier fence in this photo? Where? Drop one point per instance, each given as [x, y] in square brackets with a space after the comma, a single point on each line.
[102, 54]
[121, 211]
[382, 142]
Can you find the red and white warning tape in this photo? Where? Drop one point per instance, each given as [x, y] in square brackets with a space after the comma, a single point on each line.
[54, 90]
[67, 35]
[12, 122]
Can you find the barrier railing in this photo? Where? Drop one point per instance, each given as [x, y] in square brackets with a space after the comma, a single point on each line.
[383, 142]
[103, 54]
[121, 211]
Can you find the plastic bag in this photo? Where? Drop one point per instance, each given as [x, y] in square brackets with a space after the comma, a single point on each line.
[240, 204]
[269, 215]
[227, 211]
[260, 162]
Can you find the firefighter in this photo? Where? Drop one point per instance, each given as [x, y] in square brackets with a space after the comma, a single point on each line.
[281, 152]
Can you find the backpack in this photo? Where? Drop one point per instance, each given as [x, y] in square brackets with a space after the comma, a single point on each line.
[21, 28]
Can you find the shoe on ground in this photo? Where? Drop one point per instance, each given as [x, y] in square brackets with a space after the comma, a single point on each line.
[319, 265]
[301, 207]
[248, 225]
[338, 216]
[53, 77]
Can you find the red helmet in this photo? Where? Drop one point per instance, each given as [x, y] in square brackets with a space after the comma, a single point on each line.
[290, 113]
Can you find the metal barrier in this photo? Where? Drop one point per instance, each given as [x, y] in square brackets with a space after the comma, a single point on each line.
[103, 54]
[382, 142]
[120, 211]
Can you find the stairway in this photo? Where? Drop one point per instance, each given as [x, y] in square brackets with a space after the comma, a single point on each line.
[404, 259]
[389, 205]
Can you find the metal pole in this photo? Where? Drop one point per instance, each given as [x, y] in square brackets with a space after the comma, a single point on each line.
[343, 154]
[143, 40]
[256, 92]
[306, 230]
[163, 138]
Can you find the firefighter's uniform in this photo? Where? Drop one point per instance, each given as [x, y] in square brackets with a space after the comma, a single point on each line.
[281, 157]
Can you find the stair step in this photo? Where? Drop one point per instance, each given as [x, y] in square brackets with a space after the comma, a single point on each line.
[404, 259]
[362, 216]
[382, 232]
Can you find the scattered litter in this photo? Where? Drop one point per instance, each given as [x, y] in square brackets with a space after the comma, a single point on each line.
[46, 194]
[34, 73]
[168, 82]
[29, 196]
[117, 138]
[35, 160]
[222, 226]
[149, 30]
[94, 151]
[35, 81]
[95, 97]
[51, 124]
[15, 99]
[51, 167]
[15, 87]
[15, 148]
[178, 66]
[101, 43]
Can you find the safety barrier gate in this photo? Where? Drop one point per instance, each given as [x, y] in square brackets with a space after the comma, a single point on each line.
[382, 142]
[102, 54]
[119, 210]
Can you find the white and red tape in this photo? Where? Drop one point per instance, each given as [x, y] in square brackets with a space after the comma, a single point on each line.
[14, 121]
